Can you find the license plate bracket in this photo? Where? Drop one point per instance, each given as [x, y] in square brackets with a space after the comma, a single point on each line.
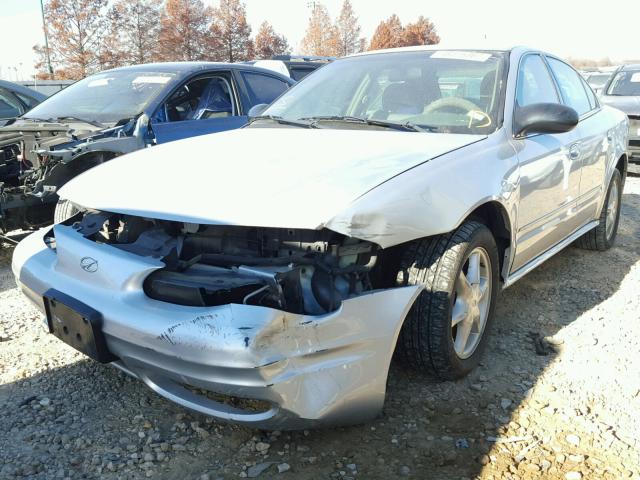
[76, 324]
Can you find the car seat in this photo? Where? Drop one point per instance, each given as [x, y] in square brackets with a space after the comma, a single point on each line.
[214, 102]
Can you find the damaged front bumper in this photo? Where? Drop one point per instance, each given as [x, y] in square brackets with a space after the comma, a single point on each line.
[301, 370]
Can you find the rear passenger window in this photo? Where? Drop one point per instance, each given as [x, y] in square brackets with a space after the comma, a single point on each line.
[592, 96]
[262, 88]
[535, 84]
[570, 83]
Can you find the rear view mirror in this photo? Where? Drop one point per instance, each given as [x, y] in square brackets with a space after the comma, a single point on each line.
[257, 110]
[544, 118]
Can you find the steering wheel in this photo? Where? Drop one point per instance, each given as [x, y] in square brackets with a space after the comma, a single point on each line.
[471, 109]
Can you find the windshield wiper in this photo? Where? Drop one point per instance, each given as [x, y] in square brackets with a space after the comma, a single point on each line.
[406, 126]
[70, 117]
[283, 121]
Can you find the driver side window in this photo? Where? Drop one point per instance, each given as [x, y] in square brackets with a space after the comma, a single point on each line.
[199, 99]
[535, 84]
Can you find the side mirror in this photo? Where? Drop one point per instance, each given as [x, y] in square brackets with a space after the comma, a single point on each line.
[257, 110]
[544, 118]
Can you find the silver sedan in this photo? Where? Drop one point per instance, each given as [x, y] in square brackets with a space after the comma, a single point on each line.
[267, 275]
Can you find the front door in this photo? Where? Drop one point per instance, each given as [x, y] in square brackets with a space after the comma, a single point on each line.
[550, 167]
[203, 105]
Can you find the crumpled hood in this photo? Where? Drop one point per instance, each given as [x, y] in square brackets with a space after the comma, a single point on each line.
[629, 105]
[269, 177]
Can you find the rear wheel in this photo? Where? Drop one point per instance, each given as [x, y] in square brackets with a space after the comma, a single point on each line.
[603, 236]
[446, 329]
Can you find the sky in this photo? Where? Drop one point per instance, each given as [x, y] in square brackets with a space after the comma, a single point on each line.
[568, 28]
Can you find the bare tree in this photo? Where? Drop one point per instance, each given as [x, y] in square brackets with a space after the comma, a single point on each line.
[184, 31]
[135, 24]
[268, 43]
[422, 32]
[348, 31]
[230, 30]
[321, 37]
[388, 34]
[76, 32]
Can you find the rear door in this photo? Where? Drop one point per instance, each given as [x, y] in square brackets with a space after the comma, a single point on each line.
[205, 104]
[549, 170]
[257, 88]
[593, 145]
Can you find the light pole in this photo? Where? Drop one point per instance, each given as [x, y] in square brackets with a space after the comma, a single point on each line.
[46, 42]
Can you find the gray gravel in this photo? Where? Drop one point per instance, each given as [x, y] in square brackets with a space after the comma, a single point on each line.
[557, 396]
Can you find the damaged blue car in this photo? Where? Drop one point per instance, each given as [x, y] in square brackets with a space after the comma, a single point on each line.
[115, 112]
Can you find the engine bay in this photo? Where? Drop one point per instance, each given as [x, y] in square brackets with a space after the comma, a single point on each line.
[295, 270]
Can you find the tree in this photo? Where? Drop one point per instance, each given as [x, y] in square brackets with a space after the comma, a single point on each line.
[391, 34]
[184, 31]
[388, 34]
[422, 32]
[268, 43]
[76, 31]
[230, 30]
[348, 31]
[321, 37]
[135, 27]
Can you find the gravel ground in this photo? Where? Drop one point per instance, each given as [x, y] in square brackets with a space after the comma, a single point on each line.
[557, 396]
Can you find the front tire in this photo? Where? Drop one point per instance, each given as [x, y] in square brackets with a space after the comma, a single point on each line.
[603, 236]
[445, 331]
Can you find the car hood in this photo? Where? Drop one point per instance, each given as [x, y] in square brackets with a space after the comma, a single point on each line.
[629, 105]
[267, 177]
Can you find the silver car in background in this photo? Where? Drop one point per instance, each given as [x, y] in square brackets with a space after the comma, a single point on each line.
[379, 205]
[622, 91]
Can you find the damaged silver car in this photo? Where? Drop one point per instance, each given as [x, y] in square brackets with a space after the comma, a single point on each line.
[378, 206]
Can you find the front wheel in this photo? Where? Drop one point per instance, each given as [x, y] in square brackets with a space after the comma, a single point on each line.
[603, 236]
[446, 329]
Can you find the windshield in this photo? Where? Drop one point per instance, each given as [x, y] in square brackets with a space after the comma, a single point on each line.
[626, 84]
[443, 91]
[107, 98]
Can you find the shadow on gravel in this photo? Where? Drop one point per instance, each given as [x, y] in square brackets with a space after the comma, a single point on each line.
[428, 429]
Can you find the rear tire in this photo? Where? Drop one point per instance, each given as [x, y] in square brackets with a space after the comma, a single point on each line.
[433, 335]
[64, 211]
[603, 236]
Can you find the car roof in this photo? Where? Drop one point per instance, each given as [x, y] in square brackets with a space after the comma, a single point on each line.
[430, 48]
[15, 87]
[186, 68]
[631, 66]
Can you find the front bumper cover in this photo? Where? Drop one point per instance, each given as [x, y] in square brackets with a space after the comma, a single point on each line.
[311, 370]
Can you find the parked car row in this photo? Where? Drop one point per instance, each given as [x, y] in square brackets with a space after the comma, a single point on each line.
[266, 275]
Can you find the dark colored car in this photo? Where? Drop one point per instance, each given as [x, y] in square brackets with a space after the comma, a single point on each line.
[294, 66]
[622, 91]
[115, 112]
[301, 66]
[16, 100]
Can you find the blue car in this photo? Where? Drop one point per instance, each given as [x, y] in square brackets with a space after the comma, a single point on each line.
[115, 112]
[16, 100]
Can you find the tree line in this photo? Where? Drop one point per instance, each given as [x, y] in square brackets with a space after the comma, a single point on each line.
[86, 36]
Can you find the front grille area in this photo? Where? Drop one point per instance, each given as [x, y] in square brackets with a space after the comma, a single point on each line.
[634, 143]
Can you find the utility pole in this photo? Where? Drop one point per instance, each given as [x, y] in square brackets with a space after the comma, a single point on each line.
[46, 42]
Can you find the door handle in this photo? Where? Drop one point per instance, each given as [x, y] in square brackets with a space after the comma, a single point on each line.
[574, 151]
